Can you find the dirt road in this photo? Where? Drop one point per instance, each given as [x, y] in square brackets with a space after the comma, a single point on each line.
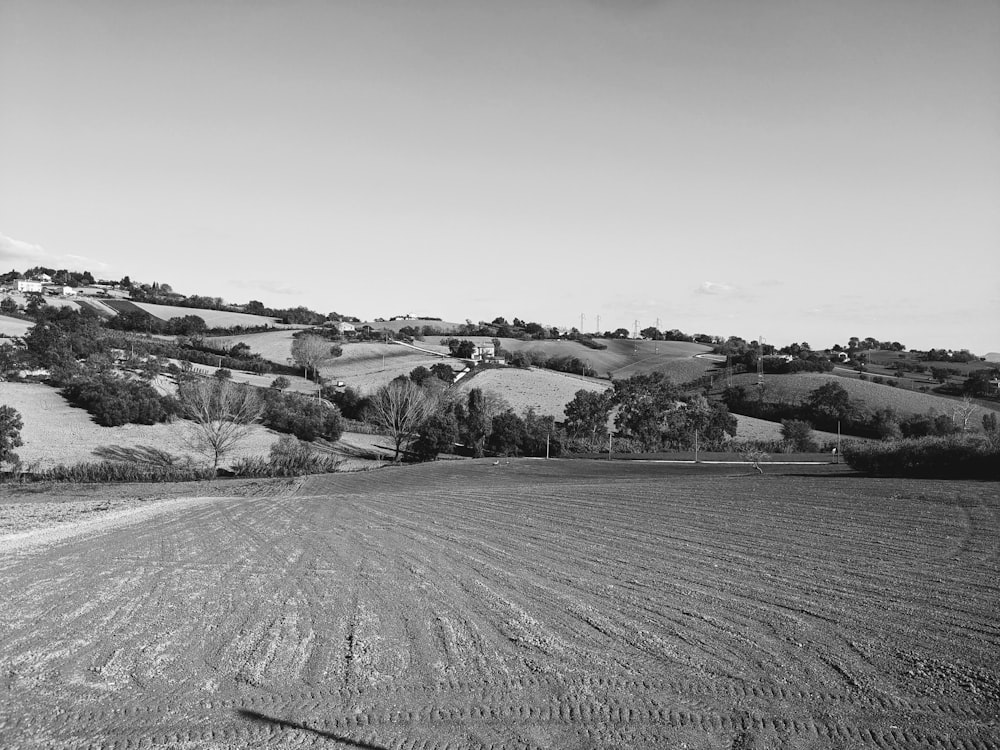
[540, 605]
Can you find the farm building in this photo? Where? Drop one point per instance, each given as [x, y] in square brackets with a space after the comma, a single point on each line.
[60, 289]
[29, 286]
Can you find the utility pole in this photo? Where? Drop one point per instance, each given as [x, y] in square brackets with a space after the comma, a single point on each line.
[635, 339]
[598, 325]
[760, 364]
[546, 446]
[582, 316]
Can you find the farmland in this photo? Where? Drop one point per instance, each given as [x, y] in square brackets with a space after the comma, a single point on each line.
[541, 604]
[212, 318]
[13, 327]
[544, 391]
[55, 432]
[796, 388]
[621, 359]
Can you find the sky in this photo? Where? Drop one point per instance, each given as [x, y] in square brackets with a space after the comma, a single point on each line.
[797, 171]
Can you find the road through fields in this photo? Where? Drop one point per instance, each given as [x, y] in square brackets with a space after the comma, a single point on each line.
[538, 604]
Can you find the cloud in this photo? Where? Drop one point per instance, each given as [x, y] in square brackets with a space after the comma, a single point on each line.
[266, 285]
[20, 252]
[715, 287]
[22, 255]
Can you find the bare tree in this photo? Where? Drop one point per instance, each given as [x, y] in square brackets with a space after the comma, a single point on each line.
[962, 413]
[222, 414]
[312, 351]
[399, 408]
[753, 455]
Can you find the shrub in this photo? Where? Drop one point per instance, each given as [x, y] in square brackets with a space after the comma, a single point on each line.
[118, 471]
[114, 401]
[927, 457]
[301, 416]
[10, 434]
[280, 383]
[289, 457]
[798, 433]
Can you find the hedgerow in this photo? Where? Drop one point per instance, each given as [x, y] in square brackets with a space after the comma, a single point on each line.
[117, 471]
[289, 457]
[114, 400]
[951, 457]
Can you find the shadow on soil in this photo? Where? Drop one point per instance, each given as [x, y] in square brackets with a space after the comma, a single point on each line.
[262, 719]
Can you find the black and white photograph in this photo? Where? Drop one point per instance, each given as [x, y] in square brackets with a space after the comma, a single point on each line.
[500, 374]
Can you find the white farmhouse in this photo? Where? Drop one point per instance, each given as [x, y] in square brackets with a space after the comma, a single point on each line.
[29, 285]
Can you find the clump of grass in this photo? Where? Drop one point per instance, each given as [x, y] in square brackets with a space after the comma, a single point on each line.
[289, 457]
[119, 471]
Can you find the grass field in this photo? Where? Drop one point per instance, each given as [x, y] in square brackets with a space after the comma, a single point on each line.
[56, 433]
[796, 388]
[13, 327]
[544, 391]
[538, 604]
[621, 358]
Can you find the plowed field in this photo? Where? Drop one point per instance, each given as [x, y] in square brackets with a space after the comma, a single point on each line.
[533, 605]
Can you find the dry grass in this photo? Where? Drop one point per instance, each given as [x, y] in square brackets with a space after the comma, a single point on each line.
[621, 358]
[275, 346]
[56, 433]
[796, 388]
[13, 327]
[544, 391]
[212, 318]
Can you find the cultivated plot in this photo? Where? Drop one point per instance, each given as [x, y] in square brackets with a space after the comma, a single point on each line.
[538, 604]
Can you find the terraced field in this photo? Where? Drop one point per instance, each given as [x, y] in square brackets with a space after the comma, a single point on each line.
[532, 605]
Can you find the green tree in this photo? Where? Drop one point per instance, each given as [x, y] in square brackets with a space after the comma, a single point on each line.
[438, 434]
[645, 403]
[10, 434]
[507, 434]
[420, 375]
[443, 371]
[8, 306]
[829, 402]
[798, 433]
[587, 414]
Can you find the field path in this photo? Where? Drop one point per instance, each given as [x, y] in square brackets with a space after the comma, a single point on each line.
[563, 604]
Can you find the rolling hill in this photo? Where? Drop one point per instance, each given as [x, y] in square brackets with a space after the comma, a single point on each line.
[212, 318]
[796, 388]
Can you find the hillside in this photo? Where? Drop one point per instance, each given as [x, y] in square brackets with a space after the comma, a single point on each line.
[212, 318]
[796, 388]
[396, 325]
[621, 359]
[13, 327]
[545, 391]
[55, 432]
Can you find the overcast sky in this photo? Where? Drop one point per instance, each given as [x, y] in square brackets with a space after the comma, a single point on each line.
[801, 171]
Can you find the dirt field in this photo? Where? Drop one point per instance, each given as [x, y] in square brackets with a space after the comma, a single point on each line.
[532, 605]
